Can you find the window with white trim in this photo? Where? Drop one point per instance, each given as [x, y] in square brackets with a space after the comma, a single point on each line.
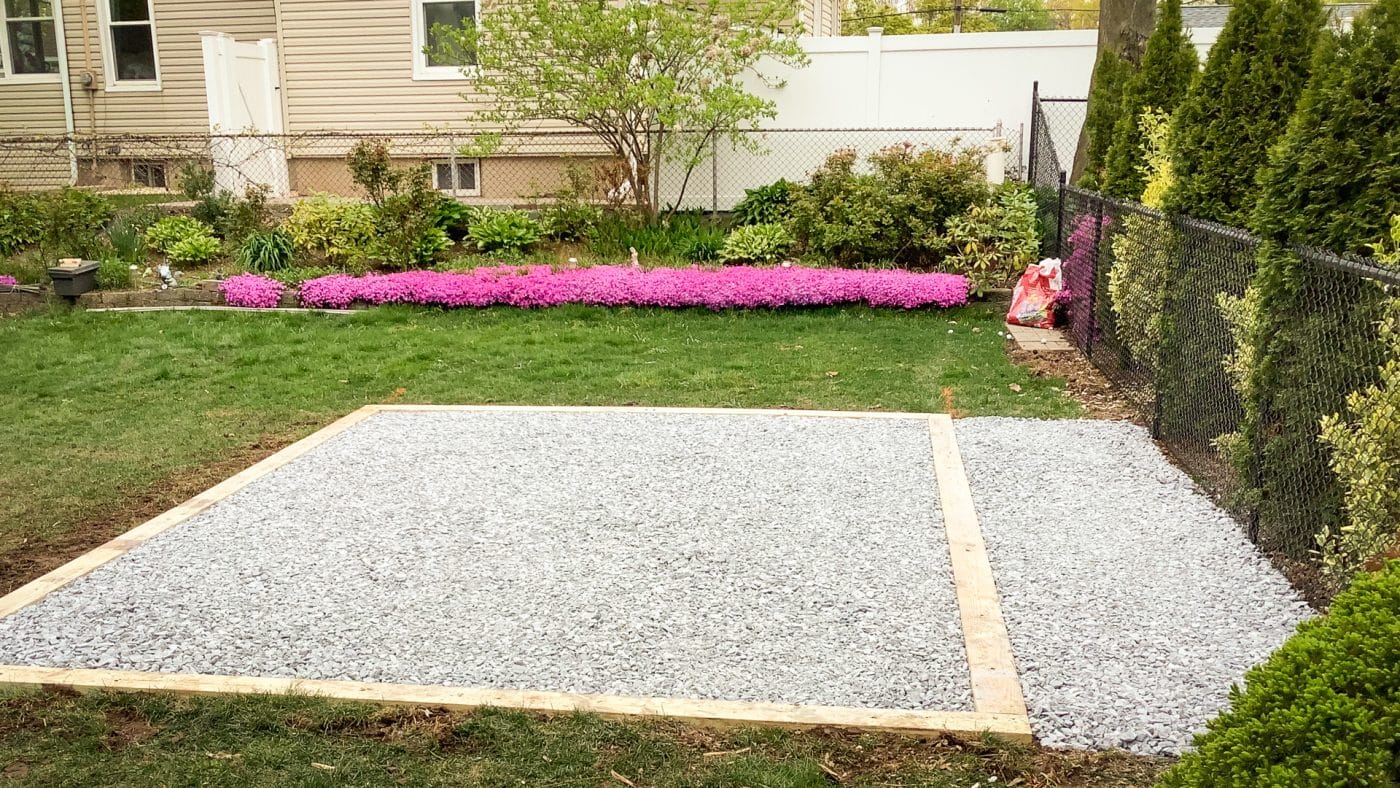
[464, 182]
[428, 15]
[30, 43]
[129, 44]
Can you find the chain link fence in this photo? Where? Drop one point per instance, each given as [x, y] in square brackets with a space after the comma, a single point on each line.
[519, 168]
[1159, 304]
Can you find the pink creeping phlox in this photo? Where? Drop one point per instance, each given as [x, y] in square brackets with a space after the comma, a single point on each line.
[251, 290]
[8, 281]
[614, 285]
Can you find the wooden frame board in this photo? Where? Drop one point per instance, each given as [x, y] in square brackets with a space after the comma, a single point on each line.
[999, 705]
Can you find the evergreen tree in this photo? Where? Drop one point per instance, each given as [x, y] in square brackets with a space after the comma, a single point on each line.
[1111, 75]
[1333, 182]
[1168, 67]
[861, 15]
[1223, 130]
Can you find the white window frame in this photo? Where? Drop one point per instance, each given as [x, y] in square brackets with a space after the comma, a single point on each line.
[7, 64]
[109, 70]
[454, 192]
[421, 70]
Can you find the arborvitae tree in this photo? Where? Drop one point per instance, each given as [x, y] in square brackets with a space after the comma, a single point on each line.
[1239, 107]
[1111, 75]
[1168, 66]
[1332, 182]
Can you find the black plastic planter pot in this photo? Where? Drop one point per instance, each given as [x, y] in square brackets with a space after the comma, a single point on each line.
[73, 282]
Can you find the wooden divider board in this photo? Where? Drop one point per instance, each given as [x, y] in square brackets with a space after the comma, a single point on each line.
[1000, 708]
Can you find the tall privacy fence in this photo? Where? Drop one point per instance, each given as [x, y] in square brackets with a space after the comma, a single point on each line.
[1158, 304]
[509, 168]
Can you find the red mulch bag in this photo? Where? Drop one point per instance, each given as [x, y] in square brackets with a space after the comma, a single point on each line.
[1033, 300]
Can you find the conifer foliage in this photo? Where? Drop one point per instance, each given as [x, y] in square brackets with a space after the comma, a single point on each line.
[1240, 106]
[1169, 66]
[1111, 75]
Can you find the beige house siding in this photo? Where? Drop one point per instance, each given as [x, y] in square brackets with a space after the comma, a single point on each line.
[348, 66]
[822, 17]
[179, 107]
[31, 109]
[515, 180]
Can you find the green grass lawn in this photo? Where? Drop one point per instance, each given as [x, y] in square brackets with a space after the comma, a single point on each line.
[110, 418]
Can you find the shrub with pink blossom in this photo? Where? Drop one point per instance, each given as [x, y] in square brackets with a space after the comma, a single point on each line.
[251, 290]
[610, 285]
[8, 281]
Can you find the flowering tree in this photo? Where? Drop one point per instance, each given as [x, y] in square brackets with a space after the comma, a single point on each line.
[655, 81]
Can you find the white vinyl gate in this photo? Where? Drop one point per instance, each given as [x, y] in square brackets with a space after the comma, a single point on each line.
[242, 88]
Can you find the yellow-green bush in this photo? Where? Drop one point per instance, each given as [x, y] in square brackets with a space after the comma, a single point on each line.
[1324, 710]
[338, 231]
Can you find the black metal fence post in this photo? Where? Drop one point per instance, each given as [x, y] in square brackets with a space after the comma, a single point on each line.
[1035, 127]
[1060, 218]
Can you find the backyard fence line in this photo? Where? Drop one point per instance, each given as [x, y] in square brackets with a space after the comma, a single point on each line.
[1157, 305]
[478, 166]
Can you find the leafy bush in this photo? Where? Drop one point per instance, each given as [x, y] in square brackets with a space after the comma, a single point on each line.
[19, 221]
[193, 250]
[452, 217]
[337, 231]
[570, 220]
[1333, 182]
[704, 246]
[27, 268]
[165, 234]
[1144, 254]
[196, 180]
[1366, 458]
[265, 251]
[756, 243]
[71, 221]
[1323, 710]
[771, 204]
[665, 238]
[213, 209]
[246, 216]
[372, 169]
[1240, 106]
[897, 212]
[1168, 68]
[991, 244]
[508, 230]
[113, 273]
[406, 233]
[1111, 75]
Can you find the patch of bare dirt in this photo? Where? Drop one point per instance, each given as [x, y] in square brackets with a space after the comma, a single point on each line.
[125, 729]
[1082, 380]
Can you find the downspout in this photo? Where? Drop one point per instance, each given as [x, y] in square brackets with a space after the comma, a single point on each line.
[62, 42]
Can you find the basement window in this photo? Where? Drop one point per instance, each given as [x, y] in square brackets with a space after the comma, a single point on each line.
[148, 173]
[462, 183]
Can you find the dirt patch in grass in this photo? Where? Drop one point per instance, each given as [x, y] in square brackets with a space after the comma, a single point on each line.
[126, 729]
[30, 559]
[1083, 382]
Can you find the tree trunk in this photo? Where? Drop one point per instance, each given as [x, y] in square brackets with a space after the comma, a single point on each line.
[1124, 26]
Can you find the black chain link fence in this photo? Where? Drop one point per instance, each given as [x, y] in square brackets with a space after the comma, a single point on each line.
[1159, 303]
[519, 168]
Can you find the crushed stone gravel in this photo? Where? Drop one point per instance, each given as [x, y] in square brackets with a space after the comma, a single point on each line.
[1132, 602]
[766, 558]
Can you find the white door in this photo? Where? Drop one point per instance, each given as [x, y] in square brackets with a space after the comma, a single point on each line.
[245, 114]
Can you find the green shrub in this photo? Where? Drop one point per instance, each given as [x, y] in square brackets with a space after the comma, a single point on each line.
[671, 237]
[372, 169]
[1111, 75]
[162, 236]
[71, 221]
[1324, 710]
[897, 212]
[1333, 182]
[213, 209]
[334, 230]
[193, 250]
[452, 217]
[771, 204]
[29, 267]
[991, 244]
[265, 251]
[1168, 68]
[19, 221]
[756, 243]
[1239, 107]
[1144, 255]
[196, 181]
[570, 220]
[245, 216]
[1366, 458]
[704, 246]
[508, 231]
[113, 273]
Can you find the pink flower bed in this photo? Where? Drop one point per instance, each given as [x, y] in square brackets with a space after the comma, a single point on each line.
[8, 281]
[609, 285]
[251, 290]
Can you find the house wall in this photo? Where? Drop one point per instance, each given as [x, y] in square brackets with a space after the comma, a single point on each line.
[822, 17]
[28, 109]
[178, 107]
[515, 180]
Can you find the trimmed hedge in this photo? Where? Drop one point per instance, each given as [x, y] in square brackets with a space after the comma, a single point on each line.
[1323, 710]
